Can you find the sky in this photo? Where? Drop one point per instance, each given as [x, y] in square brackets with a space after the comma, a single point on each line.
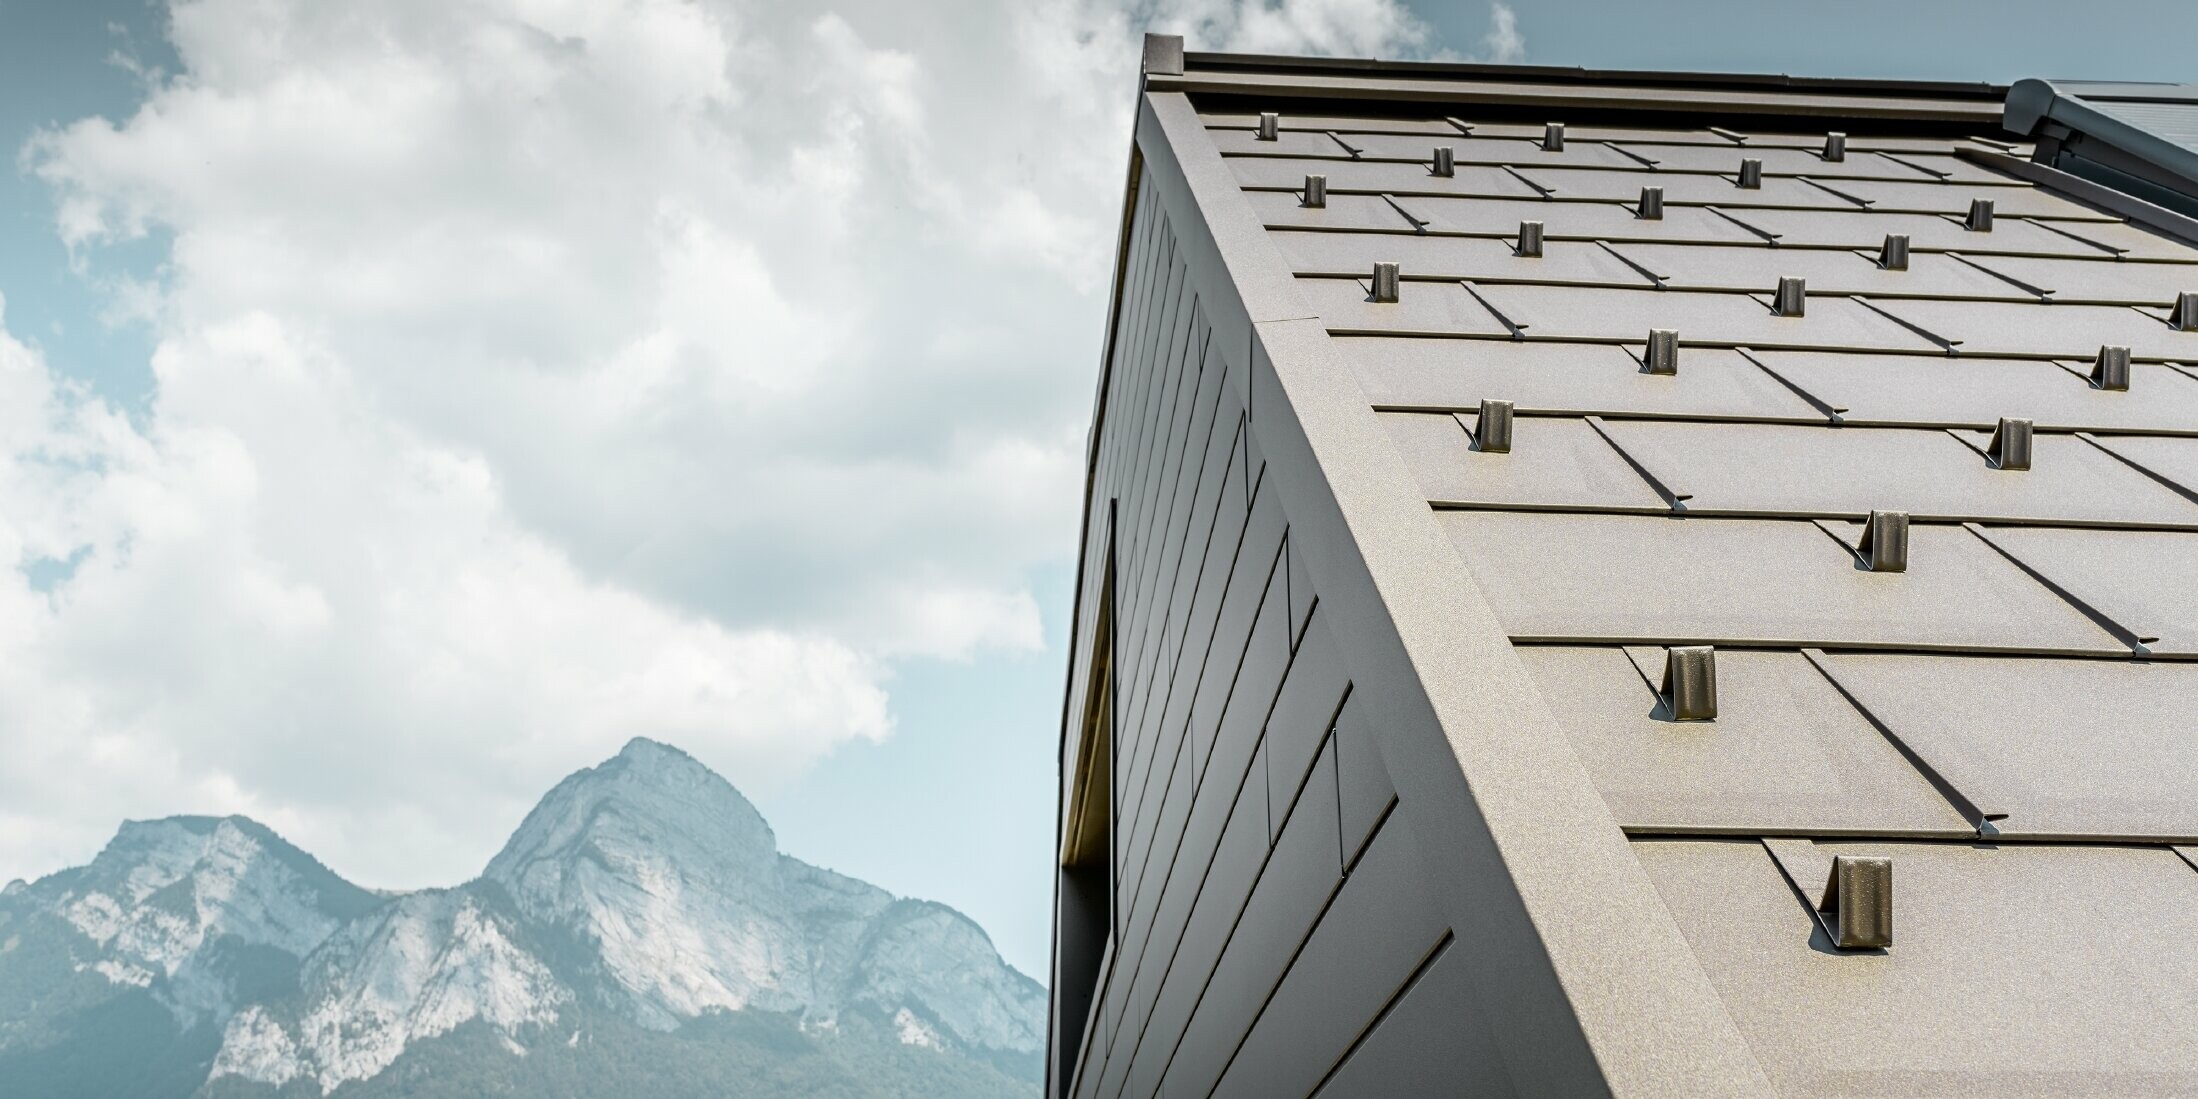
[404, 404]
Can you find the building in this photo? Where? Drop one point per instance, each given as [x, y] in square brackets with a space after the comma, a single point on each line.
[1646, 583]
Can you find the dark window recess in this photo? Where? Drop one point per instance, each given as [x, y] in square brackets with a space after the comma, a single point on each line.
[1084, 912]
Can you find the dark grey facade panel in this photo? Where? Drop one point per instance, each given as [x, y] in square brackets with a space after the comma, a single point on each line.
[1235, 864]
[1432, 1042]
[1304, 711]
[1365, 795]
[1381, 928]
[1296, 885]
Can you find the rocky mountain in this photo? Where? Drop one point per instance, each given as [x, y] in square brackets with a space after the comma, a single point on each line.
[640, 933]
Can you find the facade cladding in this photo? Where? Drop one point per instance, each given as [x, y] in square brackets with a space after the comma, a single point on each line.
[1718, 616]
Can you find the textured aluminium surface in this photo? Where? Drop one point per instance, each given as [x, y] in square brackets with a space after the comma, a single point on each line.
[1988, 690]
[1402, 806]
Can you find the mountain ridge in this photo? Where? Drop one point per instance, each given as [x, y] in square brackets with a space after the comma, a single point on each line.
[641, 896]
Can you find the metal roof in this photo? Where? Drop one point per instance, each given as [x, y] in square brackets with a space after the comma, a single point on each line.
[2001, 707]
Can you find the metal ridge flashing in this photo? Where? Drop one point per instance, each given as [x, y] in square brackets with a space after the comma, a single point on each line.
[1217, 61]
[1605, 994]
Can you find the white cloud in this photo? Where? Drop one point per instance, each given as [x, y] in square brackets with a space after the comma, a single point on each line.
[537, 373]
[1503, 44]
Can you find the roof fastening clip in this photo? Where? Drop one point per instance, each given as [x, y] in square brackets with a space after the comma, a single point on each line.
[1316, 191]
[1492, 430]
[1663, 351]
[1652, 204]
[1893, 254]
[1270, 126]
[1835, 146]
[2184, 317]
[1980, 216]
[2111, 369]
[1690, 683]
[1792, 299]
[1446, 161]
[1385, 281]
[2011, 444]
[1751, 173]
[1884, 544]
[1857, 907]
[1553, 137]
[1530, 240]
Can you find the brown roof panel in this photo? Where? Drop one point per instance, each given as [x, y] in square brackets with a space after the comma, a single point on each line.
[2061, 331]
[1852, 471]
[1826, 270]
[2173, 458]
[1577, 220]
[1378, 176]
[1281, 209]
[1680, 188]
[2121, 764]
[1480, 258]
[1561, 377]
[2014, 970]
[1639, 579]
[1926, 232]
[1776, 162]
[1976, 392]
[1444, 307]
[1491, 150]
[1786, 752]
[1553, 461]
[2098, 280]
[1291, 120]
[1906, 196]
[2147, 581]
[1571, 312]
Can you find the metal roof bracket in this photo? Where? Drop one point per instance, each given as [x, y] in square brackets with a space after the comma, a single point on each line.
[1492, 428]
[1884, 545]
[1893, 254]
[1689, 692]
[1751, 173]
[1316, 192]
[1553, 137]
[2111, 369]
[2184, 317]
[1651, 207]
[1663, 351]
[1385, 281]
[1791, 298]
[1857, 906]
[1835, 146]
[1446, 162]
[2010, 444]
[1530, 240]
[1270, 127]
[1980, 216]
